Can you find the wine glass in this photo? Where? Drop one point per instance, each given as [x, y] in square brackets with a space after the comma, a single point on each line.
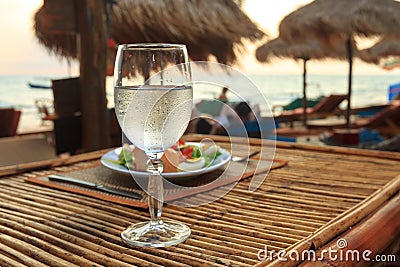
[153, 102]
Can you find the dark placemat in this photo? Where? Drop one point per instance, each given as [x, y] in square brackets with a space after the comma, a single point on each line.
[192, 185]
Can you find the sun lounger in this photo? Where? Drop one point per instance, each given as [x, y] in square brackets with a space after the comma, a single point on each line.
[262, 127]
[369, 131]
[297, 103]
[368, 111]
[328, 106]
[387, 121]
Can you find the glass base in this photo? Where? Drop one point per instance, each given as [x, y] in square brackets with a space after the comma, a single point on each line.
[162, 234]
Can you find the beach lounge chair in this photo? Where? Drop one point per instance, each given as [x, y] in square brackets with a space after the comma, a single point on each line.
[387, 121]
[368, 131]
[9, 120]
[297, 103]
[369, 111]
[327, 107]
[256, 128]
[261, 128]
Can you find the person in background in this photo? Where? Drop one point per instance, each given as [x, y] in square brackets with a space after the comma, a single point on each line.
[199, 123]
[229, 116]
[223, 97]
[243, 110]
[248, 115]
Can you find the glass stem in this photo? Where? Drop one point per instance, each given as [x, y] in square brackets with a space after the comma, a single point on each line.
[155, 189]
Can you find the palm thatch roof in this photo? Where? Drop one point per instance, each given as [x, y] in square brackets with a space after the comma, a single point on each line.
[333, 21]
[386, 47]
[336, 22]
[310, 49]
[60, 44]
[215, 28]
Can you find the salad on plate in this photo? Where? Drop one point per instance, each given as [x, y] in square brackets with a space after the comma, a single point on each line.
[181, 157]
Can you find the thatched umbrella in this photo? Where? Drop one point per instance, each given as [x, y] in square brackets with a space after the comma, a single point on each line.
[336, 22]
[310, 49]
[332, 21]
[386, 47]
[208, 28]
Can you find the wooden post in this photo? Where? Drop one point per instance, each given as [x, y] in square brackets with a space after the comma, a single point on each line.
[350, 81]
[92, 55]
[305, 91]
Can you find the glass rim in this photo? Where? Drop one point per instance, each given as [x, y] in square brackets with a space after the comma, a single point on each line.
[145, 46]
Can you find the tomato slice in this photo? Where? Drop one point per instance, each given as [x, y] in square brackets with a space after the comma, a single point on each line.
[177, 144]
[187, 152]
[181, 142]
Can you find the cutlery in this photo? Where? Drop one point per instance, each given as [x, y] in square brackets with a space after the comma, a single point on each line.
[120, 192]
[245, 158]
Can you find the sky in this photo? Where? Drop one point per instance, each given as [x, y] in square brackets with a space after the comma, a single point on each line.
[20, 52]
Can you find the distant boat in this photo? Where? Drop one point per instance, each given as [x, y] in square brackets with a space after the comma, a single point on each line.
[39, 86]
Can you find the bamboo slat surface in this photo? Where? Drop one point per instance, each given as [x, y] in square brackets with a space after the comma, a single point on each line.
[317, 196]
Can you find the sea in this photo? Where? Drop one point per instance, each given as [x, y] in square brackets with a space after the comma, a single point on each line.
[276, 89]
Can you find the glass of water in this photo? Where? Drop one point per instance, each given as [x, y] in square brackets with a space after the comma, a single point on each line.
[153, 99]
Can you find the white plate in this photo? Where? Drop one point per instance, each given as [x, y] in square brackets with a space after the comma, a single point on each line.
[220, 161]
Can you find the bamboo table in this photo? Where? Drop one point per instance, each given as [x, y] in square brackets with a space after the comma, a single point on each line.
[322, 195]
